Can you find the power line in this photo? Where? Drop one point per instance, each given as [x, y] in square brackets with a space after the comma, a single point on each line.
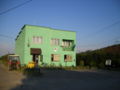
[104, 29]
[104, 42]
[8, 10]
[109, 26]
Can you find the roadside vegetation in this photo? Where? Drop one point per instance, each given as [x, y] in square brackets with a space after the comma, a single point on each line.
[4, 59]
[97, 58]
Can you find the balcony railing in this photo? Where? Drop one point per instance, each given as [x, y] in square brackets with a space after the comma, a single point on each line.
[68, 48]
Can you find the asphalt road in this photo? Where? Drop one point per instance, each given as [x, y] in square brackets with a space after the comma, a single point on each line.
[61, 80]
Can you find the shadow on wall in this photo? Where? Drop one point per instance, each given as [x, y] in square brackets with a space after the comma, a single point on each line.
[72, 80]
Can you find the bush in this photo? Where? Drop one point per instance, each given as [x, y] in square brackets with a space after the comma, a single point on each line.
[101, 65]
[93, 63]
[81, 63]
[4, 59]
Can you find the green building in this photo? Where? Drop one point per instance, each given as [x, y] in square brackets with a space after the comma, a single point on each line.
[46, 46]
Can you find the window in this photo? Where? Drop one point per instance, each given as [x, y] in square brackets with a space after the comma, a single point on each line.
[55, 57]
[67, 43]
[37, 39]
[55, 41]
[67, 57]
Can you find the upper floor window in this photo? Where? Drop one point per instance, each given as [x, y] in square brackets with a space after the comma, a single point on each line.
[67, 43]
[37, 39]
[55, 41]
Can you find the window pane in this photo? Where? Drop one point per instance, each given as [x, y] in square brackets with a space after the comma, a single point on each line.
[55, 57]
[67, 57]
[37, 39]
[40, 39]
[54, 41]
[67, 43]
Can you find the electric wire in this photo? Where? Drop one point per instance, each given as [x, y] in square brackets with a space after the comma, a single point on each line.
[17, 6]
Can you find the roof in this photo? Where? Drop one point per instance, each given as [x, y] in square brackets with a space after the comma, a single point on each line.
[42, 27]
[48, 28]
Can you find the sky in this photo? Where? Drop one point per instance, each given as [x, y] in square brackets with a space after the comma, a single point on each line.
[96, 22]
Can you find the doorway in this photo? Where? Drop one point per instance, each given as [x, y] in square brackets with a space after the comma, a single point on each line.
[35, 52]
[35, 58]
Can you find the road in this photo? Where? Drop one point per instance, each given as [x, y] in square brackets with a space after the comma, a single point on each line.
[61, 80]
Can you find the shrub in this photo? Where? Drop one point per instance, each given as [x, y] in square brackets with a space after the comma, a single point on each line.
[81, 63]
[101, 65]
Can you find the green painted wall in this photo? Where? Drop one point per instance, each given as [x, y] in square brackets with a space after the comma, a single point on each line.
[20, 46]
[24, 43]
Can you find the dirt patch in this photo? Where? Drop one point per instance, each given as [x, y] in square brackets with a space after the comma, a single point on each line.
[9, 79]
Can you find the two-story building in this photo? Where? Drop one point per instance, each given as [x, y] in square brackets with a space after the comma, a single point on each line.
[46, 46]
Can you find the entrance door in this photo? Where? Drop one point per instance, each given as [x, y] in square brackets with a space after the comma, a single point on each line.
[35, 52]
[35, 58]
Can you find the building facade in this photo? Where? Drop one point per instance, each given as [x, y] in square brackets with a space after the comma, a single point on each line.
[46, 46]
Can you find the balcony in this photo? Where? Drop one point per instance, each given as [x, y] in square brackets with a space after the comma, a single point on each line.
[68, 45]
[68, 48]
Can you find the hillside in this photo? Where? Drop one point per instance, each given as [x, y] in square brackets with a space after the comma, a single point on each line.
[97, 58]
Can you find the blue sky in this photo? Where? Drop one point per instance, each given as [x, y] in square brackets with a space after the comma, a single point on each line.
[97, 22]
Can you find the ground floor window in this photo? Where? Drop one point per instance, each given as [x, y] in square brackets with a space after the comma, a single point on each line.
[55, 57]
[68, 57]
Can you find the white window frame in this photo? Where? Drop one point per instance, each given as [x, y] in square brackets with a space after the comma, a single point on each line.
[66, 43]
[55, 41]
[68, 57]
[37, 39]
[55, 57]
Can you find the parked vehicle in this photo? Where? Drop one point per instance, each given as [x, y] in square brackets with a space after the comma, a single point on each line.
[13, 62]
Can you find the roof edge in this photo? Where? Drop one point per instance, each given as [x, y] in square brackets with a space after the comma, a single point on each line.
[48, 28]
[41, 27]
